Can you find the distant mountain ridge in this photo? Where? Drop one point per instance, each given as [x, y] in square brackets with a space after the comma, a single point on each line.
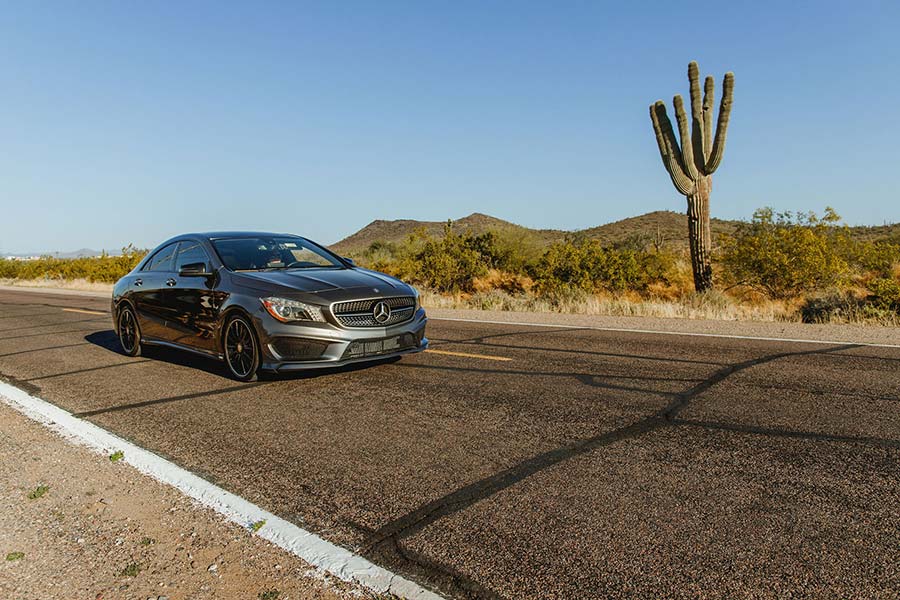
[668, 226]
[398, 230]
[665, 225]
[80, 253]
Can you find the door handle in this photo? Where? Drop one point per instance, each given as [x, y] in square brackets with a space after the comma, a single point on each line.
[138, 282]
[170, 282]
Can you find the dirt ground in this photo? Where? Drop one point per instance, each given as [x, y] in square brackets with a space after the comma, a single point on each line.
[102, 530]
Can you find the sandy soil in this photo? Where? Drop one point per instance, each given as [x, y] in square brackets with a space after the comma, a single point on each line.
[104, 531]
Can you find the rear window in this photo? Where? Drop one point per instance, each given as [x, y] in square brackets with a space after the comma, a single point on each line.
[189, 253]
[162, 260]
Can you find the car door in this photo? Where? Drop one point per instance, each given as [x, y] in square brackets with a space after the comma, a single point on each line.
[192, 302]
[148, 295]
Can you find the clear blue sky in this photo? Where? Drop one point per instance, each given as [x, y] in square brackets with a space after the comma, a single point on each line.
[129, 122]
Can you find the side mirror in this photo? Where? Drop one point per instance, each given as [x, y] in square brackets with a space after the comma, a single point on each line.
[350, 260]
[194, 270]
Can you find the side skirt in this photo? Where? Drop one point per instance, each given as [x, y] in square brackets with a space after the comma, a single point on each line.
[176, 346]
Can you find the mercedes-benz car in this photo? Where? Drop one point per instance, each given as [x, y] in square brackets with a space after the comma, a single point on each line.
[265, 301]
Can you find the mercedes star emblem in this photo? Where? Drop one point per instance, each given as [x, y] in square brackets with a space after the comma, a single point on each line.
[381, 312]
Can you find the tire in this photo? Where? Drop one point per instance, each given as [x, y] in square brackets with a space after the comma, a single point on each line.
[241, 348]
[129, 331]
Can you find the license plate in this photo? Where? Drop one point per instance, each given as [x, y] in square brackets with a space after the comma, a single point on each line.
[380, 346]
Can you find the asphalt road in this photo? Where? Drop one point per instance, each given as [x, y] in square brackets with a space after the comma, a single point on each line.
[523, 462]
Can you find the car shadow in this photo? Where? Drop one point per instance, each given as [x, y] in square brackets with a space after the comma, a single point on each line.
[108, 340]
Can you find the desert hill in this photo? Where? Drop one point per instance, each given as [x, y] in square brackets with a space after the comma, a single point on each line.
[668, 226]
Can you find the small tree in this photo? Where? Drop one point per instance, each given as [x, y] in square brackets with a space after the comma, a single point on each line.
[786, 254]
[451, 263]
[692, 164]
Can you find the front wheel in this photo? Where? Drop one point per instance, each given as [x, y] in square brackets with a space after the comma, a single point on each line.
[241, 349]
[129, 332]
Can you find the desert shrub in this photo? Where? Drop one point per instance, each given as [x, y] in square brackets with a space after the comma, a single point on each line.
[104, 269]
[786, 254]
[450, 263]
[515, 251]
[485, 244]
[878, 258]
[884, 294]
[843, 306]
[381, 253]
[879, 303]
[832, 306]
[589, 266]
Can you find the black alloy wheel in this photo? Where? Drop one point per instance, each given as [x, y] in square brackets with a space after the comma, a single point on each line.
[129, 332]
[241, 349]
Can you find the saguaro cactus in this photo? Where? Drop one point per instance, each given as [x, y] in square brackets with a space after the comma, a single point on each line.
[692, 164]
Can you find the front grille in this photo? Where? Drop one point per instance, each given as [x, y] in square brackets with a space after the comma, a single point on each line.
[359, 313]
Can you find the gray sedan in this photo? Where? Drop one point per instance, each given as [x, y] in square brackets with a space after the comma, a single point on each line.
[267, 301]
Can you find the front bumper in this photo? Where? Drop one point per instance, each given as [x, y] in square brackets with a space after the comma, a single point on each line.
[301, 346]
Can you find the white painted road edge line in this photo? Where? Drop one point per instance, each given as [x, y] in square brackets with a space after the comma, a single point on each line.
[320, 553]
[657, 332]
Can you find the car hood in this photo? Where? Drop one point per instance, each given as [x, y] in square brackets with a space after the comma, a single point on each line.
[322, 281]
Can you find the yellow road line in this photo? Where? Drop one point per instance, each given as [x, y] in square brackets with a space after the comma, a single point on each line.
[86, 312]
[467, 355]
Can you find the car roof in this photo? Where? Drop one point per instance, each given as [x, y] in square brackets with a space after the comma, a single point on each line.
[217, 235]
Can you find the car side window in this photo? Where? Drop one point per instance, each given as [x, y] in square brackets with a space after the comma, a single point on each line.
[190, 252]
[163, 260]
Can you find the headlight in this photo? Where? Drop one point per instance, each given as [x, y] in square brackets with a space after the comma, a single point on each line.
[416, 295]
[292, 310]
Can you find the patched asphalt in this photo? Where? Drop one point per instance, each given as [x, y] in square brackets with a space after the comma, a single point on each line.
[590, 464]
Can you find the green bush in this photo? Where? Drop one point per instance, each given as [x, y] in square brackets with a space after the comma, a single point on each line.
[589, 266]
[878, 258]
[786, 254]
[451, 263]
[885, 294]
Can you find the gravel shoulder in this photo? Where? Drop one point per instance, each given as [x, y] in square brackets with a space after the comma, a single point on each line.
[102, 530]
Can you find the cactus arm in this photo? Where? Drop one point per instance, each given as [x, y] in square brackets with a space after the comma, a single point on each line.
[684, 133]
[698, 135]
[668, 148]
[718, 149]
[709, 97]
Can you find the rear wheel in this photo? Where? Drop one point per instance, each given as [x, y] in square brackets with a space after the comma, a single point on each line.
[241, 349]
[129, 332]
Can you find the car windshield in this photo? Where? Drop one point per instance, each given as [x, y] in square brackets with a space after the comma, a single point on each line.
[267, 253]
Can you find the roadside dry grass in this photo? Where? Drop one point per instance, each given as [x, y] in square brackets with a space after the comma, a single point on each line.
[714, 305]
[82, 285]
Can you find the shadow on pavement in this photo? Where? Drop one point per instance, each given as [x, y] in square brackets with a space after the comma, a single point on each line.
[109, 341]
[385, 543]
